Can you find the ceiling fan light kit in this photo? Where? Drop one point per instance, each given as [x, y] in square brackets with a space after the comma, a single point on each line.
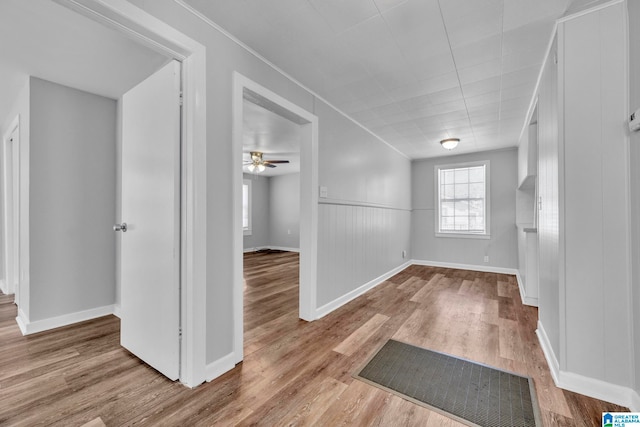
[450, 143]
[257, 163]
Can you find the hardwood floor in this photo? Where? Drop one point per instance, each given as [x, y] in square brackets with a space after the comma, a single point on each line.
[294, 372]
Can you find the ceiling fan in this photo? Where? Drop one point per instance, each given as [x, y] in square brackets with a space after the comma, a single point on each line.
[259, 164]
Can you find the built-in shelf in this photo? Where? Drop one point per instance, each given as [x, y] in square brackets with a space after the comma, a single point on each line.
[526, 212]
[528, 157]
[527, 228]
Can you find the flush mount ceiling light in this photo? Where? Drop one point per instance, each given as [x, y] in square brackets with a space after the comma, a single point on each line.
[450, 143]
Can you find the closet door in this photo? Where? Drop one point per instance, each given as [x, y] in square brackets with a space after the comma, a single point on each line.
[548, 218]
[594, 215]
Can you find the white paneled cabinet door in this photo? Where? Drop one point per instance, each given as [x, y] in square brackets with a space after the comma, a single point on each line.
[548, 202]
[150, 239]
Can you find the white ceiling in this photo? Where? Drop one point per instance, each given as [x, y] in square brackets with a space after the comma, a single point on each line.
[46, 40]
[412, 71]
[276, 136]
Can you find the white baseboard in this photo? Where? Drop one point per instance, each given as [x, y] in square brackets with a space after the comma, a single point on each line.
[3, 287]
[482, 268]
[28, 327]
[549, 354]
[523, 296]
[283, 248]
[339, 302]
[635, 402]
[486, 269]
[22, 320]
[220, 366]
[117, 311]
[598, 389]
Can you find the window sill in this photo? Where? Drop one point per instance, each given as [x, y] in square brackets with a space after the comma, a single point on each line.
[464, 236]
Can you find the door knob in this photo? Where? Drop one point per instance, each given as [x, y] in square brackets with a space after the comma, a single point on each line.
[120, 227]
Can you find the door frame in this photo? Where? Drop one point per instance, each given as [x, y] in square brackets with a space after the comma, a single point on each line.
[11, 209]
[144, 28]
[308, 206]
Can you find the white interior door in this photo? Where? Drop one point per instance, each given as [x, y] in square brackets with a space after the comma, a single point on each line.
[150, 248]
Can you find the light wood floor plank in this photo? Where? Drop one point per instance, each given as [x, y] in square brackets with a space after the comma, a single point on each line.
[294, 372]
[364, 332]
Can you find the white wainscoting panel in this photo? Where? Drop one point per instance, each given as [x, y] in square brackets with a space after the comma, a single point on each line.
[357, 244]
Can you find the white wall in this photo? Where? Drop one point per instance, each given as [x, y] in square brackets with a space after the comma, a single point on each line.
[275, 212]
[364, 223]
[284, 211]
[260, 212]
[501, 247]
[72, 167]
[382, 174]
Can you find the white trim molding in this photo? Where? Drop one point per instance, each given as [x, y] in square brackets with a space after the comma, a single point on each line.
[244, 46]
[523, 295]
[220, 366]
[486, 200]
[22, 320]
[143, 27]
[27, 327]
[588, 10]
[308, 204]
[598, 389]
[545, 344]
[482, 268]
[339, 302]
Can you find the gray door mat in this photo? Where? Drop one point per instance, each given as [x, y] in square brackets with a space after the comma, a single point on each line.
[469, 392]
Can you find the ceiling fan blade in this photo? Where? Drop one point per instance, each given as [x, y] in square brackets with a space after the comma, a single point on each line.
[276, 161]
[267, 164]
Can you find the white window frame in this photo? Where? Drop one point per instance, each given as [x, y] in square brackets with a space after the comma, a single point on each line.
[487, 201]
[247, 231]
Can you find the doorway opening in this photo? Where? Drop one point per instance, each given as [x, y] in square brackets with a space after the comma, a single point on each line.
[252, 100]
[271, 141]
[145, 29]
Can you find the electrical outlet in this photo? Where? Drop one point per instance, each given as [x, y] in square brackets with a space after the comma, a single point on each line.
[486, 258]
[324, 192]
[404, 254]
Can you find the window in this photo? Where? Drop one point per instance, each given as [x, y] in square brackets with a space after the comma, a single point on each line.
[246, 206]
[462, 194]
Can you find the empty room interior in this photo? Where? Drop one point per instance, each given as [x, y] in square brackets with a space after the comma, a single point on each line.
[224, 212]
